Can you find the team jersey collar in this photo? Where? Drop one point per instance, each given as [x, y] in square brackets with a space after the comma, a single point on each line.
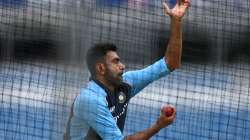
[102, 86]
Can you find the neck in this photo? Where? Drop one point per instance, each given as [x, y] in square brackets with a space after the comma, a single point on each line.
[110, 87]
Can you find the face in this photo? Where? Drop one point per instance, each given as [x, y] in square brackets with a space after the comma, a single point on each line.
[113, 68]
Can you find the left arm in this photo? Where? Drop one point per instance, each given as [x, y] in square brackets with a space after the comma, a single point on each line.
[141, 78]
[174, 47]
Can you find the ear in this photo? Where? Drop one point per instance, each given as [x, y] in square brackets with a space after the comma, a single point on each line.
[100, 67]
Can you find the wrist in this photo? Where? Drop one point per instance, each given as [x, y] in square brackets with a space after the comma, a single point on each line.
[176, 20]
[158, 124]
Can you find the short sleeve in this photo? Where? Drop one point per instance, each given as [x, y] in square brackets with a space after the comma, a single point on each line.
[141, 78]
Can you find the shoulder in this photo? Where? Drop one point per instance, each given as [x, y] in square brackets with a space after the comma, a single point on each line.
[91, 97]
[91, 91]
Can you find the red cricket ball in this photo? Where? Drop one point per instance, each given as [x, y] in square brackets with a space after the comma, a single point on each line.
[167, 110]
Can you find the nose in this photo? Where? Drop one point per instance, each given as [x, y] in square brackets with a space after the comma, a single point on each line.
[122, 66]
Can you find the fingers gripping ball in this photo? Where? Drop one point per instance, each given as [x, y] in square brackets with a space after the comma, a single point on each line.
[167, 110]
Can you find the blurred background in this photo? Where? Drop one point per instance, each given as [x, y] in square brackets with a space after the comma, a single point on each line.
[42, 65]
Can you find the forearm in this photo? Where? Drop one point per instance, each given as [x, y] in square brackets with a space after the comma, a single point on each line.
[162, 122]
[174, 48]
[146, 134]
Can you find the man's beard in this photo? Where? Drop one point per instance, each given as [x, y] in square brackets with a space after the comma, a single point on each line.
[114, 80]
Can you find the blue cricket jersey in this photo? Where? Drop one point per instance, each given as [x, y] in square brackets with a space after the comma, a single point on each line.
[99, 114]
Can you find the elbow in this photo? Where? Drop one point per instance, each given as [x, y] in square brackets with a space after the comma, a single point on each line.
[173, 61]
[172, 65]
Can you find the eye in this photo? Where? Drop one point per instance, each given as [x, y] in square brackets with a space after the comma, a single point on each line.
[116, 61]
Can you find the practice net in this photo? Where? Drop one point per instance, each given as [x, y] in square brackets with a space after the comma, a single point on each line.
[42, 65]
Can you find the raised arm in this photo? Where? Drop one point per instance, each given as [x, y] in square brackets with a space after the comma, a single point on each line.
[141, 78]
[174, 47]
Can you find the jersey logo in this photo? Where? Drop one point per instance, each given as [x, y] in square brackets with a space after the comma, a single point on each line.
[121, 97]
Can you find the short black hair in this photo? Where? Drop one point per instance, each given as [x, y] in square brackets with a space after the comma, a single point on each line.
[96, 54]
